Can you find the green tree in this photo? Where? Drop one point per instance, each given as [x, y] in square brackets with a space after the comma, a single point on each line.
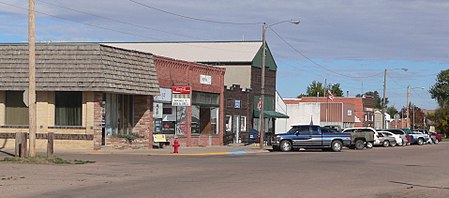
[392, 110]
[318, 87]
[377, 98]
[440, 91]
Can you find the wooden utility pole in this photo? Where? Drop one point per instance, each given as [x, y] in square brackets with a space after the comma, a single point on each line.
[32, 80]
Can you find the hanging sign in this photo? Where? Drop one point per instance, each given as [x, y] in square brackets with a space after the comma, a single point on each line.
[181, 96]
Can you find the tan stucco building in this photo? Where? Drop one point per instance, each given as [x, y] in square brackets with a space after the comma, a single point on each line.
[87, 93]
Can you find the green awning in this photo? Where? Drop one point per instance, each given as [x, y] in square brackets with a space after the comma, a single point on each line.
[270, 114]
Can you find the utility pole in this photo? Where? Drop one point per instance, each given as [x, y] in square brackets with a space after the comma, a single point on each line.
[32, 80]
[327, 98]
[262, 89]
[408, 107]
[383, 99]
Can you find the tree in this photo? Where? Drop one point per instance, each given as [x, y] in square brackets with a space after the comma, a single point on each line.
[392, 110]
[440, 91]
[377, 98]
[318, 87]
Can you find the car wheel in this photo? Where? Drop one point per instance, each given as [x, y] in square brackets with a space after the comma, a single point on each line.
[359, 144]
[369, 145]
[386, 143]
[436, 141]
[336, 146]
[420, 141]
[286, 146]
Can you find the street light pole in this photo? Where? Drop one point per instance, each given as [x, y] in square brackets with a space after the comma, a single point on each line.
[408, 107]
[383, 99]
[265, 26]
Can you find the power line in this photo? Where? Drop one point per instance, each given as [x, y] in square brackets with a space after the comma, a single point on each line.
[315, 63]
[115, 20]
[192, 18]
[89, 24]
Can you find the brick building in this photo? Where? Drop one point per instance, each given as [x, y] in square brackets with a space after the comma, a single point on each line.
[86, 93]
[242, 61]
[201, 122]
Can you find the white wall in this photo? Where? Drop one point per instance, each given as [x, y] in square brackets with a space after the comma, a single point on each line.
[300, 113]
[281, 124]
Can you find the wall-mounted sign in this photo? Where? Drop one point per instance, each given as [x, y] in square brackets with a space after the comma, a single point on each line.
[164, 95]
[236, 104]
[205, 79]
[157, 109]
[181, 96]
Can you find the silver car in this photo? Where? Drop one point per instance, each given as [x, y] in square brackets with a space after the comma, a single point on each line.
[401, 133]
[387, 141]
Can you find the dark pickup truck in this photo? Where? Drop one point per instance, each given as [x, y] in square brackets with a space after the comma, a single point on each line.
[310, 137]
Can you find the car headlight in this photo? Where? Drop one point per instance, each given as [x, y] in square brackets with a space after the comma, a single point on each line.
[277, 139]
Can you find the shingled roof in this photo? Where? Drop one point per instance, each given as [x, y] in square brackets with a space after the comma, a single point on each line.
[79, 67]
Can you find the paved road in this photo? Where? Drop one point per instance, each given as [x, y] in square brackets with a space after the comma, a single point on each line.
[414, 171]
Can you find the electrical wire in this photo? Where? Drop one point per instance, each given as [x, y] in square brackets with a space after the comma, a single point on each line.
[115, 20]
[88, 24]
[192, 18]
[319, 65]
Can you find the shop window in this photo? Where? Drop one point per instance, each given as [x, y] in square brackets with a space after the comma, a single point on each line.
[181, 120]
[242, 123]
[228, 122]
[68, 108]
[195, 120]
[16, 111]
[214, 120]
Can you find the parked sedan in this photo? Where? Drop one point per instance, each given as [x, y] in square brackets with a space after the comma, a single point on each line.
[397, 138]
[386, 141]
[404, 136]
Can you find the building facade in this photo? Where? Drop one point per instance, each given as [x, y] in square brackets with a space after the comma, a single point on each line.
[198, 122]
[243, 63]
[86, 93]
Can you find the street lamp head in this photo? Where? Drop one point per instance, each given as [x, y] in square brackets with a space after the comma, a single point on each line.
[404, 69]
[295, 21]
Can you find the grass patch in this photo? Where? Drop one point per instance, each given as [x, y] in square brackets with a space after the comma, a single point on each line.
[43, 160]
[445, 140]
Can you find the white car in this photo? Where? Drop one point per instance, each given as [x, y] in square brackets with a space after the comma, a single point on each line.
[396, 136]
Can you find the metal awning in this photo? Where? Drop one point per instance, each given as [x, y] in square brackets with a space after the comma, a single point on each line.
[270, 114]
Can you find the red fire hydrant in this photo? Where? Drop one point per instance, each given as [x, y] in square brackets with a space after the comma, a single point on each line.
[175, 146]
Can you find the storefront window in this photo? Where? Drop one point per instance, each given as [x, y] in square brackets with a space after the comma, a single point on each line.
[16, 111]
[68, 108]
[195, 120]
[228, 122]
[181, 120]
[242, 123]
[119, 111]
[214, 120]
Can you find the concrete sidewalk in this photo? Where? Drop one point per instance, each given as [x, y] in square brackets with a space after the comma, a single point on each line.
[233, 149]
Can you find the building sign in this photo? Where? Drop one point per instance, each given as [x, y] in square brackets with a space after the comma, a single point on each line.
[157, 109]
[164, 95]
[205, 79]
[181, 96]
[236, 104]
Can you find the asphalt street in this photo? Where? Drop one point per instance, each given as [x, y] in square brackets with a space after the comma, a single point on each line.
[412, 171]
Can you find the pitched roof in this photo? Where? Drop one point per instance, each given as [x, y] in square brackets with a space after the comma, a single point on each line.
[79, 67]
[218, 51]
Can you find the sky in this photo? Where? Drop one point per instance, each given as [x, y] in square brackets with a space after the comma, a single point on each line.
[350, 42]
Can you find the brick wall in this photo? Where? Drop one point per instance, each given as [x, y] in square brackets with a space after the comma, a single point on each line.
[172, 72]
[98, 109]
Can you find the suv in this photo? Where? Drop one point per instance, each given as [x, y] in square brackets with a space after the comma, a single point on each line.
[363, 136]
[310, 136]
